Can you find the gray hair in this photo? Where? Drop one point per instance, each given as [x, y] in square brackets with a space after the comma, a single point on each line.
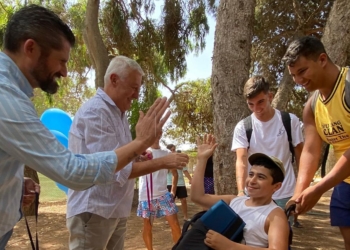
[121, 65]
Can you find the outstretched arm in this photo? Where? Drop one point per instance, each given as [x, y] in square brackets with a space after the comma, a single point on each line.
[241, 169]
[309, 160]
[205, 150]
[170, 161]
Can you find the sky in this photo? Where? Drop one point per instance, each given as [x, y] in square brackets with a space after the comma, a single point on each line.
[198, 66]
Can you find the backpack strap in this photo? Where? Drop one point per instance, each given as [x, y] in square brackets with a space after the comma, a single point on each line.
[288, 127]
[186, 226]
[248, 128]
[189, 223]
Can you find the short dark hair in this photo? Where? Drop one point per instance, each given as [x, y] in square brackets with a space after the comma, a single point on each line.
[254, 86]
[308, 46]
[170, 146]
[276, 173]
[37, 23]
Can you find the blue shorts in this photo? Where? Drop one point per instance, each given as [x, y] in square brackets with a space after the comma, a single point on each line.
[162, 206]
[340, 205]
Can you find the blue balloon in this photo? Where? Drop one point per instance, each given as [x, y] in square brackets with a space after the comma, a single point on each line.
[57, 119]
[60, 137]
[64, 141]
[61, 187]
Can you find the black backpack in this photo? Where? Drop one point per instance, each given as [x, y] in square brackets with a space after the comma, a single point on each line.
[313, 105]
[193, 238]
[219, 215]
[287, 126]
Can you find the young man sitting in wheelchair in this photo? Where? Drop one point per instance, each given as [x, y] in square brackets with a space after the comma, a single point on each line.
[266, 223]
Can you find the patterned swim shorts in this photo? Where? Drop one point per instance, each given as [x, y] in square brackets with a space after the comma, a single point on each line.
[162, 206]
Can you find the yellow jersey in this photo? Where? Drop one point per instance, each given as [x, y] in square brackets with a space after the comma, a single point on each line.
[332, 118]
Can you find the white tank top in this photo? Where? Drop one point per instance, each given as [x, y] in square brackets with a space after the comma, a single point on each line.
[254, 217]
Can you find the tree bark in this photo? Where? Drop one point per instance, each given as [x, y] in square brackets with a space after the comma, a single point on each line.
[92, 37]
[231, 64]
[28, 172]
[285, 89]
[336, 37]
[286, 86]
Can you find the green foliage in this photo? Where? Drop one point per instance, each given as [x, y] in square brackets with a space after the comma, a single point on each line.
[276, 24]
[192, 112]
[49, 192]
[159, 44]
[74, 89]
[70, 96]
[297, 101]
[146, 99]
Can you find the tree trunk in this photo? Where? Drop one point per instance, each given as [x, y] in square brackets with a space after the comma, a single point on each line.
[285, 89]
[336, 37]
[231, 64]
[286, 86]
[93, 40]
[28, 172]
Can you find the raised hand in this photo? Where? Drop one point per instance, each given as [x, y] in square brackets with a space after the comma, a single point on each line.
[149, 125]
[206, 147]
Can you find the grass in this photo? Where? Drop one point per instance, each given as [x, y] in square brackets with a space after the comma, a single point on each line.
[49, 190]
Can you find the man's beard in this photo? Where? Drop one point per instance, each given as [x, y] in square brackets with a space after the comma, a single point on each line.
[41, 74]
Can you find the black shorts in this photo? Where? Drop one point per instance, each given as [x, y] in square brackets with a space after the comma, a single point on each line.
[181, 192]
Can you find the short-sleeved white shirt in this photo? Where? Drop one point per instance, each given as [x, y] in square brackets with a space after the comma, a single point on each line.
[271, 138]
[159, 179]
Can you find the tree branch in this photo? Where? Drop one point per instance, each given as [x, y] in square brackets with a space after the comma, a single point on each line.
[92, 36]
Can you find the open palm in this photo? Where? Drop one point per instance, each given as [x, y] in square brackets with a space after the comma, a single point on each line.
[206, 147]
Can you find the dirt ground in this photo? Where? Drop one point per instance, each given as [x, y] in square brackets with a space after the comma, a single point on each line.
[316, 233]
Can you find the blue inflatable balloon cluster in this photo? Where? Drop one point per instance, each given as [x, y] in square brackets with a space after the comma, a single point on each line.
[58, 122]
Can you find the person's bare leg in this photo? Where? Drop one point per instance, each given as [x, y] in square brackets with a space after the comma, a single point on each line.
[184, 207]
[175, 226]
[147, 234]
[345, 231]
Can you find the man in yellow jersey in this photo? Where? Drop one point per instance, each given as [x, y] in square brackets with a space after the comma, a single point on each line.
[327, 119]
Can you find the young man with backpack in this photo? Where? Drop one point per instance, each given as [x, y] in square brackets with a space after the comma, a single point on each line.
[325, 120]
[270, 131]
[266, 224]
